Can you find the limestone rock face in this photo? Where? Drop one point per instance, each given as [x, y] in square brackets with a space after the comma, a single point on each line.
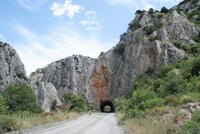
[11, 68]
[69, 75]
[47, 94]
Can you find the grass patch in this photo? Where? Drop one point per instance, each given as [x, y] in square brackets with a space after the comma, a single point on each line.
[24, 120]
[148, 125]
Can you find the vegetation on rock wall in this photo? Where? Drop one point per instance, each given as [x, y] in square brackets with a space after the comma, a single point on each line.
[175, 84]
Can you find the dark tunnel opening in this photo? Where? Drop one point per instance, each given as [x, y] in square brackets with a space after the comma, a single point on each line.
[107, 107]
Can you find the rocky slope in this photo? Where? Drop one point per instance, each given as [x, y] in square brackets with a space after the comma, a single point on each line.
[11, 68]
[147, 45]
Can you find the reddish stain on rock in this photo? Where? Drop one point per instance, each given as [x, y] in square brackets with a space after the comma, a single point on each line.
[100, 83]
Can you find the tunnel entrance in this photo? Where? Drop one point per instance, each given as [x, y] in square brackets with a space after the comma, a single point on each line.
[107, 107]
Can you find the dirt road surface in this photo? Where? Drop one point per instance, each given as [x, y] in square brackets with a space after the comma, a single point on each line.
[97, 123]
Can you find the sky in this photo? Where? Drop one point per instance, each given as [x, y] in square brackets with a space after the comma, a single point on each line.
[43, 31]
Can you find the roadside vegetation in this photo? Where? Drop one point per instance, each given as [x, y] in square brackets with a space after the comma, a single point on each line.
[18, 109]
[154, 102]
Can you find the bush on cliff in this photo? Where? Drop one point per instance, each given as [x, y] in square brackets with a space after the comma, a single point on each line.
[164, 10]
[175, 84]
[119, 49]
[21, 98]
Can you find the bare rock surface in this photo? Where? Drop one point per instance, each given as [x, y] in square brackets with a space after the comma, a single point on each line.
[11, 68]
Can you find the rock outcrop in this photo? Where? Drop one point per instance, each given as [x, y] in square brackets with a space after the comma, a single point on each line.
[147, 45]
[69, 75]
[11, 68]
[186, 112]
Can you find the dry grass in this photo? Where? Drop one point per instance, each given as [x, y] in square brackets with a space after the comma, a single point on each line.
[148, 125]
[27, 120]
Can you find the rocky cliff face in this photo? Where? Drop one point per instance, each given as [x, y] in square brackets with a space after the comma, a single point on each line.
[11, 68]
[69, 75]
[147, 45]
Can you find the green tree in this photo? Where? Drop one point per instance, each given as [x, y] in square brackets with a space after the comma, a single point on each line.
[21, 98]
[151, 11]
[164, 10]
[77, 103]
[3, 106]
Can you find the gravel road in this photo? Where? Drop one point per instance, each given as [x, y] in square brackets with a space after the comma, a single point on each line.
[97, 123]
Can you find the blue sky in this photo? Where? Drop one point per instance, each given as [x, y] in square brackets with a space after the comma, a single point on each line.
[43, 31]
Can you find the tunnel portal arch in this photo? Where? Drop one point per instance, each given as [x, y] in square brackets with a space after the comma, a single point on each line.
[105, 104]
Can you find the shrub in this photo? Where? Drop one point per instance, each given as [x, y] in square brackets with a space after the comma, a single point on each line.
[194, 49]
[196, 117]
[53, 105]
[192, 13]
[77, 103]
[139, 12]
[165, 69]
[119, 49]
[159, 16]
[121, 104]
[140, 102]
[149, 71]
[3, 106]
[151, 11]
[196, 67]
[152, 38]
[183, 2]
[21, 98]
[135, 25]
[164, 10]
[132, 113]
[189, 98]
[156, 102]
[192, 126]
[7, 124]
[174, 84]
[93, 107]
[196, 39]
[149, 29]
[172, 100]
[178, 44]
[161, 110]
[142, 83]
[140, 96]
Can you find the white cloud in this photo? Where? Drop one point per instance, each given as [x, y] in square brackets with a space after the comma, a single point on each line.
[141, 4]
[92, 21]
[38, 50]
[90, 13]
[121, 2]
[68, 8]
[31, 5]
